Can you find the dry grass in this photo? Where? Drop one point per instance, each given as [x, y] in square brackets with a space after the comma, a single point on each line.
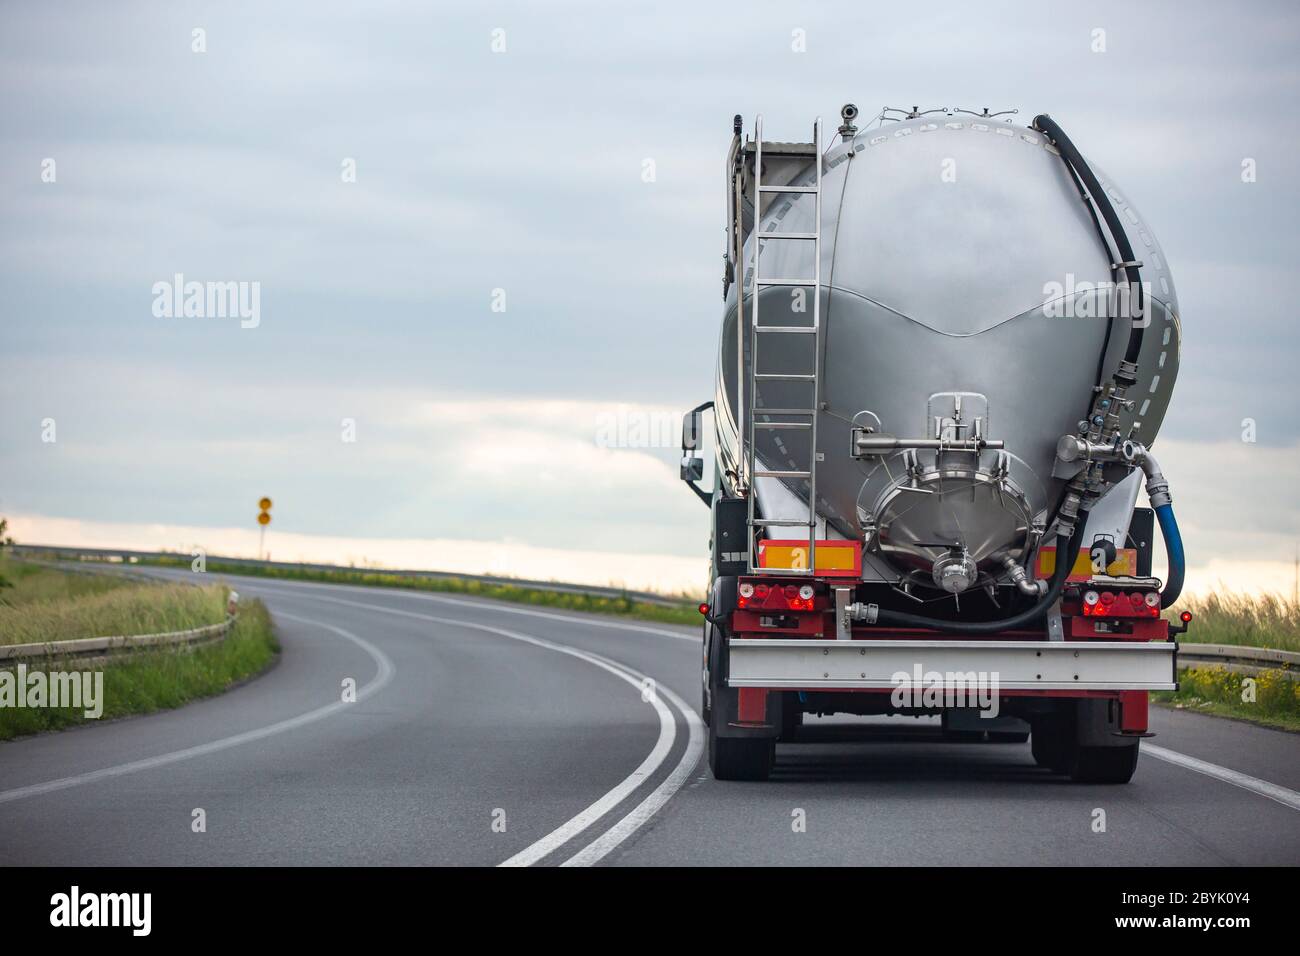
[26, 582]
[49, 605]
[1230, 618]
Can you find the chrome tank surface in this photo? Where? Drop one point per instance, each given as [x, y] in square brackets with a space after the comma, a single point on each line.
[958, 273]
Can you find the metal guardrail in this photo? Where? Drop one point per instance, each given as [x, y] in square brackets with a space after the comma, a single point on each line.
[125, 557]
[1245, 660]
[101, 648]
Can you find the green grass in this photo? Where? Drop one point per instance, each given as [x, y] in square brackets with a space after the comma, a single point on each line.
[1241, 619]
[26, 583]
[80, 609]
[159, 680]
[1217, 690]
[686, 613]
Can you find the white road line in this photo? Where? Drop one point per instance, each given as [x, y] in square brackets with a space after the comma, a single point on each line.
[486, 605]
[383, 675]
[647, 808]
[1283, 795]
[1288, 798]
[639, 815]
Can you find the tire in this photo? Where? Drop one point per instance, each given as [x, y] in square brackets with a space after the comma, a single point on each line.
[740, 758]
[1104, 764]
[1050, 743]
[706, 713]
[732, 758]
[791, 718]
[959, 736]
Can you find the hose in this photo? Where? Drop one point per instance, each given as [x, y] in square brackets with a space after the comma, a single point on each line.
[1158, 492]
[1067, 547]
[1046, 125]
[1174, 551]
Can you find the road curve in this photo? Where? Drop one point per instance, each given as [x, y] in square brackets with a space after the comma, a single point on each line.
[486, 733]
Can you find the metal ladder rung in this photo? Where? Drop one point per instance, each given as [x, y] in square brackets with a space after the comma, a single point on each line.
[750, 409]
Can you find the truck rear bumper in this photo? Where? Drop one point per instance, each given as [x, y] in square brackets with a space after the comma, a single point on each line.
[1007, 665]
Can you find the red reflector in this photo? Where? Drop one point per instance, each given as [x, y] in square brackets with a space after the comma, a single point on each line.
[704, 609]
[760, 591]
[1107, 597]
[1185, 617]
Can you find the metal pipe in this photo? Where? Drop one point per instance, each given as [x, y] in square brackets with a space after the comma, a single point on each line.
[1020, 578]
[1162, 502]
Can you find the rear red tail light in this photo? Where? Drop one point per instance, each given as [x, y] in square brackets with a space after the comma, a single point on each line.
[776, 597]
[1108, 604]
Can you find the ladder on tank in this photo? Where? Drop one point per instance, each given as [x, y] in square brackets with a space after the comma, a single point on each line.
[795, 418]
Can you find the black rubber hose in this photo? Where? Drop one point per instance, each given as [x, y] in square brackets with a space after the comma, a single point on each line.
[1066, 551]
[1046, 125]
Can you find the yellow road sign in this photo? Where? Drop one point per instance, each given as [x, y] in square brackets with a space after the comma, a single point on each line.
[265, 504]
[263, 518]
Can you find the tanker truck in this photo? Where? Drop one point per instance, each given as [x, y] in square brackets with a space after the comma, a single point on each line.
[947, 346]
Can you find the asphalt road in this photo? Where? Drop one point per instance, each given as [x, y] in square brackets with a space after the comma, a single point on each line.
[488, 733]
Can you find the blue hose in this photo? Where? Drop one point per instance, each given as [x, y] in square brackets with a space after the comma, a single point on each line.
[1174, 552]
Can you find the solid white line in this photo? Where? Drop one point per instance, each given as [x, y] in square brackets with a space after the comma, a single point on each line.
[647, 808]
[377, 683]
[487, 604]
[1288, 798]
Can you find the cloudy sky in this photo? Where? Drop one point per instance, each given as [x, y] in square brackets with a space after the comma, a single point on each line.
[488, 176]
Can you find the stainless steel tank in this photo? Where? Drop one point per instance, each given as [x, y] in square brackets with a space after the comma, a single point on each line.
[962, 277]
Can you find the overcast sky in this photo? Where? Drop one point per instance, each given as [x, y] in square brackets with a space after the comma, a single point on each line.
[479, 169]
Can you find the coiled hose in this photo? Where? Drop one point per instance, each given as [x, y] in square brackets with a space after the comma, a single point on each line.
[1067, 547]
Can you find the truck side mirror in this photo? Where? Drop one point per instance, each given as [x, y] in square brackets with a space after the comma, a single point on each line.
[692, 470]
[691, 430]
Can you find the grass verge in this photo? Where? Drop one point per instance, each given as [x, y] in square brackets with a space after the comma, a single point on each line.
[1267, 620]
[1273, 699]
[625, 606]
[127, 607]
[23, 583]
[160, 680]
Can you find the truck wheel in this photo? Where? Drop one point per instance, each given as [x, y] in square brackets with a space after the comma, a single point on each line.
[740, 758]
[1050, 743]
[1104, 764]
[791, 718]
[958, 736]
